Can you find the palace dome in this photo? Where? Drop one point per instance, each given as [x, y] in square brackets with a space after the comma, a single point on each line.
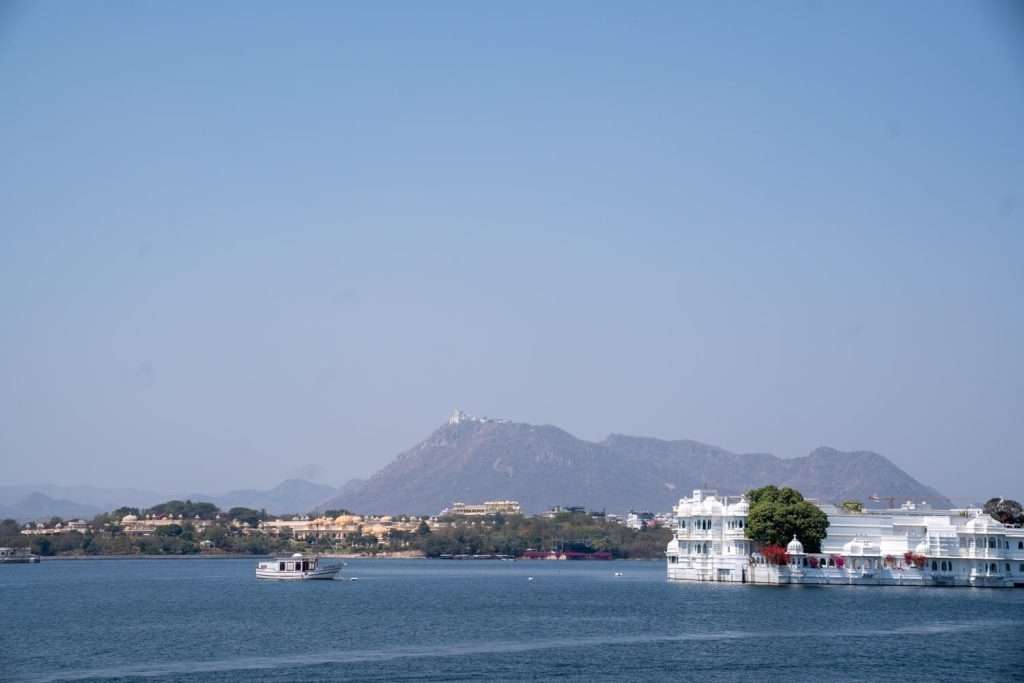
[860, 546]
[982, 523]
[795, 547]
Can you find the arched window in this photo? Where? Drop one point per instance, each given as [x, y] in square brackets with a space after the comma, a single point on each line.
[935, 566]
[1020, 545]
[992, 567]
[991, 543]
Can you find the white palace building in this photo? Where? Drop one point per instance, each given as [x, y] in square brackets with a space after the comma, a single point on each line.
[906, 547]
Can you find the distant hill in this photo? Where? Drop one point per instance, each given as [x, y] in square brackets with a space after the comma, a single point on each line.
[26, 503]
[290, 496]
[473, 460]
[97, 497]
[38, 506]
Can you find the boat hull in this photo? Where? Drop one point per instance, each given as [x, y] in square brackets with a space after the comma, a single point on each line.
[318, 574]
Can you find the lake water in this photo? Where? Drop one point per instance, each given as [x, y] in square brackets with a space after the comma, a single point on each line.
[423, 620]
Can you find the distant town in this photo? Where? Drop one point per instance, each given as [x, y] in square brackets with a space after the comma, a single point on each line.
[495, 528]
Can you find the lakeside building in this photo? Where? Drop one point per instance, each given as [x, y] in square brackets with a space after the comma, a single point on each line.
[488, 507]
[556, 510]
[338, 528]
[41, 529]
[640, 520]
[147, 526]
[906, 547]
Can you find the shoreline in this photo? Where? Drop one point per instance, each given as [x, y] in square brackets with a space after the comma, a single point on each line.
[224, 556]
[228, 556]
[329, 556]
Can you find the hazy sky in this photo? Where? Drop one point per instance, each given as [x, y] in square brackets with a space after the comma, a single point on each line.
[244, 241]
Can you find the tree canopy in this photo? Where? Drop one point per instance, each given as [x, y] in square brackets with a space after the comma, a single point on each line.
[247, 515]
[185, 508]
[1004, 510]
[776, 515]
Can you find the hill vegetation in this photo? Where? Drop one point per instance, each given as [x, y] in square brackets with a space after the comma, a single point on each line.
[542, 466]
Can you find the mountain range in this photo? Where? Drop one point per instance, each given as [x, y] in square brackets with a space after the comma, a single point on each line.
[42, 501]
[476, 459]
[291, 495]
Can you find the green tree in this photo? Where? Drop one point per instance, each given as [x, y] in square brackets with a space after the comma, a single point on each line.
[1004, 510]
[246, 516]
[186, 509]
[11, 536]
[776, 515]
[217, 535]
[852, 506]
[41, 545]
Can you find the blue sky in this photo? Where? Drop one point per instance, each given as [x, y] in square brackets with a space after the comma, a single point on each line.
[244, 241]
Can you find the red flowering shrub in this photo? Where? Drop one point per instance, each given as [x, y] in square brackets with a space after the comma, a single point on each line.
[890, 561]
[813, 561]
[840, 561]
[914, 560]
[775, 554]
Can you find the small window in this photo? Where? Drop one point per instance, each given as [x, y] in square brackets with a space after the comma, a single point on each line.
[281, 567]
[1020, 545]
[935, 566]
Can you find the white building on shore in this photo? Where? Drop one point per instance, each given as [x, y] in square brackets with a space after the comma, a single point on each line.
[889, 547]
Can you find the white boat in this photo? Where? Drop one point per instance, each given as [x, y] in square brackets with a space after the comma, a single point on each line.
[298, 567]
[17, 556]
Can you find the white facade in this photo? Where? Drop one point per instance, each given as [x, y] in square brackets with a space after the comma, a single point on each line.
[895, 547]
[708, 541]
[640, 520]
